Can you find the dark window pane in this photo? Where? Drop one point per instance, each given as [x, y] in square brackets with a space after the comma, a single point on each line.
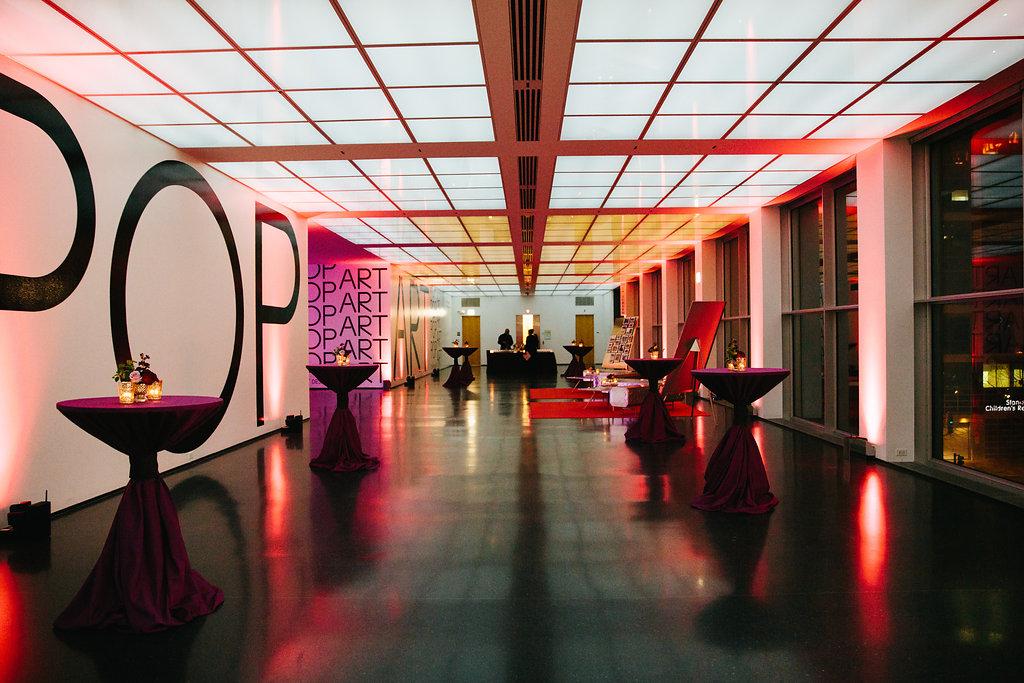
[977, 224]
[808, 367]
[847, 373]
[731, 281]
[846, 246]
[978, 384]
[808, 256]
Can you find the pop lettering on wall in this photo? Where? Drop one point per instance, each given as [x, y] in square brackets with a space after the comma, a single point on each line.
[349, 307]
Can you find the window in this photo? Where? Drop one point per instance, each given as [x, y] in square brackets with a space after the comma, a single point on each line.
[656, 322]
[822, 322]
[976, 305]
[735, 292]
[808, 320]
[847, 363]
[687, 289]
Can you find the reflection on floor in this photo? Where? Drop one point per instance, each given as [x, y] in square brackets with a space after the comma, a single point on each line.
[492, 548]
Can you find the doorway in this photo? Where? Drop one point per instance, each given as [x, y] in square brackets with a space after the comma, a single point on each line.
[524, 323]
[471, 336]
[585, 333]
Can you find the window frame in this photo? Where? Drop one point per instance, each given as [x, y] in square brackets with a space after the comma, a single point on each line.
[741, 237]
[926, 301]
[829, 311]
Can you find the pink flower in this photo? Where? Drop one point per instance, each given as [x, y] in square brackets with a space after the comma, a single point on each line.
[136, 376]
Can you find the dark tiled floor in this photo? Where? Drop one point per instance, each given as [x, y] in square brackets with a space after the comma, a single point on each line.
[490, 548]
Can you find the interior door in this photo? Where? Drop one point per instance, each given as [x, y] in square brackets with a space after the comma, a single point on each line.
[585, 333]
[471, 335]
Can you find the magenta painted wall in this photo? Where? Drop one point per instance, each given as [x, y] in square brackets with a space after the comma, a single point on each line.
[349, 304]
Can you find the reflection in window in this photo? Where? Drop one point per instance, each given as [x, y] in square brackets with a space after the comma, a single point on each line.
[976, 208]
[808, 256]
[978, 248]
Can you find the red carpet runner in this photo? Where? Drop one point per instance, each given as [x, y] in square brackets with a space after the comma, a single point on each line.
[596, 409]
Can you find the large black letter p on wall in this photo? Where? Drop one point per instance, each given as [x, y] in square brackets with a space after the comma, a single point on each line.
[162, 175]
[275, 315]
[39, 293]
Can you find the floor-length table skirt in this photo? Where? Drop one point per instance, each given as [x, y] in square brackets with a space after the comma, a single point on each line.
[342, 450]
[142, 581]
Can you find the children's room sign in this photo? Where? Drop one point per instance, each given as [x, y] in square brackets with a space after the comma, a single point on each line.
[349, 307]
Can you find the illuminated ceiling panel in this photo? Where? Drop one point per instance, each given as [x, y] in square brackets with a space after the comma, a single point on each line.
[580, 182]
[398, 21]
[272, 23]
[152, 109]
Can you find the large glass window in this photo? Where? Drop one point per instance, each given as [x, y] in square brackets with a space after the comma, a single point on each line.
[977, 295]
[808, 256]
[807, 322]
[847, 363]
[687, 289]
[735, 292]
[656, 321]
[823, 324]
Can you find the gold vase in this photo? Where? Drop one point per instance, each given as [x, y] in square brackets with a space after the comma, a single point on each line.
[126, 392]
[140, 392]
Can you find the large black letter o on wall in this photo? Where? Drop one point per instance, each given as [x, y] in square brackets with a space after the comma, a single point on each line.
[163, 175]
[27, 293]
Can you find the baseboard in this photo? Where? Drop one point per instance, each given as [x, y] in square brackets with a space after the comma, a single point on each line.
[180, 468]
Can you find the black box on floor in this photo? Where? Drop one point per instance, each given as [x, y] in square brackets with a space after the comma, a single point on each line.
[28, 521]
[292, 424]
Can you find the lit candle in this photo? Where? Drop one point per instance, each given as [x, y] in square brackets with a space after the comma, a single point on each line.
[126, 392]
[155, 390]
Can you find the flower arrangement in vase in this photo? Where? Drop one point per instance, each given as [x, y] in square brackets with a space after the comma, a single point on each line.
[734, 358]
[341, 356]
[136, 382]
[654, 351]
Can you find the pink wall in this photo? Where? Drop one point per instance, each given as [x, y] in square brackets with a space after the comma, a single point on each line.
[349, 304]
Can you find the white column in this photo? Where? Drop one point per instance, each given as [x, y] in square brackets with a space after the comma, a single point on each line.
[886, 246]
[766, 300]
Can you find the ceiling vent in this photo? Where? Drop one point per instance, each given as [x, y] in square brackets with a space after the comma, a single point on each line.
[527, 20]
[526, 228]
[527, 183]
[527, 106]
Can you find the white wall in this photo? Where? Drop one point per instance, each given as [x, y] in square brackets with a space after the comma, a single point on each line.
[557, 315]
[180, 300]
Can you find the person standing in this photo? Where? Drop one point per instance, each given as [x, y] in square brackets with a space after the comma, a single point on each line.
[532, 342]
[505, 340]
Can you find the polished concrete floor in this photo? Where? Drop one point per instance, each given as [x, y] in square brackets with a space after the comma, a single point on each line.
[492, 548]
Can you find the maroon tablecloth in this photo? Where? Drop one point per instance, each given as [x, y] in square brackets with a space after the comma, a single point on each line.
[735, 479]
[454, 380]
[654, 424]
[342, 450]
[467, 369]
[576, 366]
[142, 581]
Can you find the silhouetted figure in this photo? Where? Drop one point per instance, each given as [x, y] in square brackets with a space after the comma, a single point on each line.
[532, 342]
[505, 340]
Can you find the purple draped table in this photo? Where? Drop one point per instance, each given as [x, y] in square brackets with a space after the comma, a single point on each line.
[467, 369]
[454, 380]
[654, 424]
[735, 479]
[142, 581]
[576, 366]
[342, 450]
